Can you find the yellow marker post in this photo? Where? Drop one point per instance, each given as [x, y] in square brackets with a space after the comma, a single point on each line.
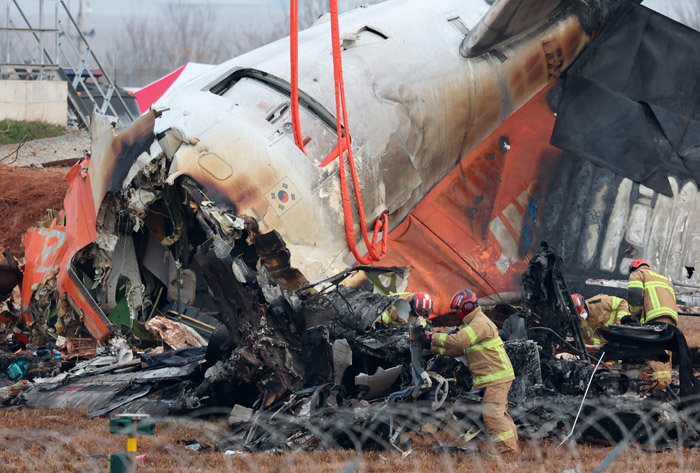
[130, 425]
[131, 445]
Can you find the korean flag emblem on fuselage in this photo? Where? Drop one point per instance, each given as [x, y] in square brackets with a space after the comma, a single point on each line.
[283, 196]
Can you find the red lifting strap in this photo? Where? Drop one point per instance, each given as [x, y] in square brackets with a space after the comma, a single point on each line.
[375, 251]
[294, 63]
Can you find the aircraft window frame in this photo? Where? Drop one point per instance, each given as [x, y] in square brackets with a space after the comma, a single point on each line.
[281, 86]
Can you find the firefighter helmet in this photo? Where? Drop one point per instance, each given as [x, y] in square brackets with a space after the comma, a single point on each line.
[464, 302]
[634, 265]
[422, 304]
[580, 306]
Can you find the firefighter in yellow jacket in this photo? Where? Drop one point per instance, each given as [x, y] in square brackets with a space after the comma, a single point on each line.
[489, 365]
[653, 300]
[597, 312]
[420, 304]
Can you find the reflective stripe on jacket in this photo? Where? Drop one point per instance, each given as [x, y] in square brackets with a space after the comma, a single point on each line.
[651, 296]
[390, 317]
[603, 310]
[478, 339]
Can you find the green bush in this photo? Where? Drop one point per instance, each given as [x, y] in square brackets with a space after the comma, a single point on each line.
[14, 131]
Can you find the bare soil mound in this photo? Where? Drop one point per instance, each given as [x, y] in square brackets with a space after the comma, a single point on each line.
[25, 194]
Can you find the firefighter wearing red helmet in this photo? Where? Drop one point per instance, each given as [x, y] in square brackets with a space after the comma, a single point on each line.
[420, 304]
[598, 311]
[491, 369]
[653, 300]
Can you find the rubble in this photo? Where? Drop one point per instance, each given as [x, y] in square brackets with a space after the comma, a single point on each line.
[10, 275]
[10, 392]
[295, 367]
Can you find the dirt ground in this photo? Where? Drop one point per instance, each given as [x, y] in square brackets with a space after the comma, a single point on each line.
[63, 440]
[25, 194]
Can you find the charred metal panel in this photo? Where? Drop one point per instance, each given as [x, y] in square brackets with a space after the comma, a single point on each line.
[318, 356]
[525, 357]
[104, 393]
[115, 150]
[240, 309]
[506, 18]
[275, 256]
[609, 221]
[344, 310]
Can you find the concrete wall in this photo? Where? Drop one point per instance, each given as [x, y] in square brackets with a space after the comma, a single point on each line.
[44, 101]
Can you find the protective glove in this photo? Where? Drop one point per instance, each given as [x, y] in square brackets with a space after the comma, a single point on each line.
[629, 320]
[586, 330]
[427, 382]
[418, 334]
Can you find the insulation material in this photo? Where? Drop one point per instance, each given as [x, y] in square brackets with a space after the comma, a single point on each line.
[125, 265]
[174, 334]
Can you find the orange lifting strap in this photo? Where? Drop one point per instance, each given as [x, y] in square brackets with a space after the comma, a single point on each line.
[375, 251]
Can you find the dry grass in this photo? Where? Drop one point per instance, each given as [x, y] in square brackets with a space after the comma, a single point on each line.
[691, 329]
[46, 440]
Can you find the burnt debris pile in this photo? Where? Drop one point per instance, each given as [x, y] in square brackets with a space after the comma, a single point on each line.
[208, 317]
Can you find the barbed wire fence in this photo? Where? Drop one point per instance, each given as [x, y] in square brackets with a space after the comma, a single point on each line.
[649, 435]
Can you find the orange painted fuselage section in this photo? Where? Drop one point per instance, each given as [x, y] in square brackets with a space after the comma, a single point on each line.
[479, 225]
[48, 251]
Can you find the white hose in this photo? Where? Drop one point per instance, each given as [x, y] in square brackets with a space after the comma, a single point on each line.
[584, 399]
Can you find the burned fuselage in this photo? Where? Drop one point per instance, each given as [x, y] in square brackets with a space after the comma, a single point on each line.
[416, 106]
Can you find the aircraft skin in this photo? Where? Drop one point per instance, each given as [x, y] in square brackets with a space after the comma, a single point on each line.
[416, 108]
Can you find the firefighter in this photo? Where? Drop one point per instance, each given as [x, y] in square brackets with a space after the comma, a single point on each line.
[420, 303]
[491, 369]
[653, 300]
[598, 311]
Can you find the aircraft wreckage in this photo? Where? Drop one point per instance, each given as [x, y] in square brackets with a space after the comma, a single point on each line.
[467, 126]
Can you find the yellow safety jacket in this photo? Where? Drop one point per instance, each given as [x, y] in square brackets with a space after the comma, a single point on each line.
[603, 310]
[390, 317]
[478, 339]
[651, 296]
